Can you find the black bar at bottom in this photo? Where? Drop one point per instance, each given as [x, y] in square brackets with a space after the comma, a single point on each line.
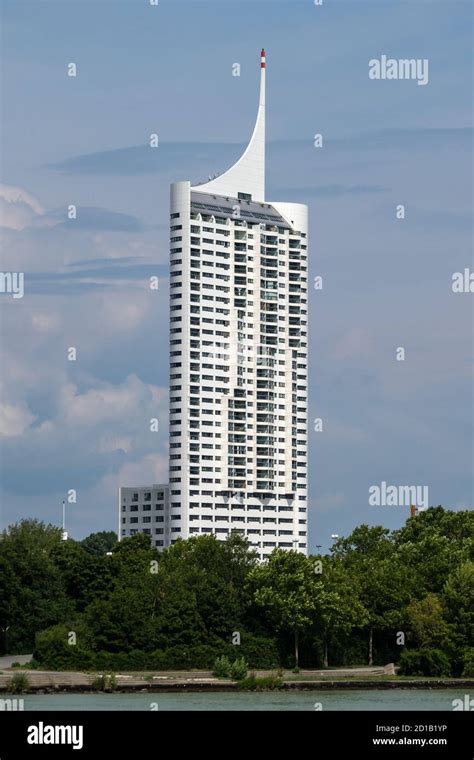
[367, 734]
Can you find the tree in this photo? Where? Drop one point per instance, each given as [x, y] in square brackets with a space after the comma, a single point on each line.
[433, 544]
[84, 575]
[286, 588]
[426, 622]
[340, 609]
[183, 605]
[458, 600]
[32, 594]
[215, 571]
[9, 596]
[100, 543]
[383, 581]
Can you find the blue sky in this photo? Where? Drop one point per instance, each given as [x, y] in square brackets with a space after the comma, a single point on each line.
[84, 425]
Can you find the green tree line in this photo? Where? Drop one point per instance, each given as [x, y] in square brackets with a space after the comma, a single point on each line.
[403, 596]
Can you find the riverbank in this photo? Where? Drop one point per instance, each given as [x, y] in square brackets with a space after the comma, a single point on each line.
[48, 682]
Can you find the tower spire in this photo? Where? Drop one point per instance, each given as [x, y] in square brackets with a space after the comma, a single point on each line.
[247, 175]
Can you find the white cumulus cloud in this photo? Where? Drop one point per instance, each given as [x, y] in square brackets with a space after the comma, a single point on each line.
[18, 208]
[14, 419]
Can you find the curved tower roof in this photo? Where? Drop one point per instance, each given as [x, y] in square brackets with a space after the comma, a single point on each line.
[247, 175]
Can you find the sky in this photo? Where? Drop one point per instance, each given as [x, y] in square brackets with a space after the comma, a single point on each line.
[387, 282]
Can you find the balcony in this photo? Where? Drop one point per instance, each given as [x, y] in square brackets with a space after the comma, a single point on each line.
[237, 485]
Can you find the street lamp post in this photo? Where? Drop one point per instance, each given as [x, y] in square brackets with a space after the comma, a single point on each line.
[64, 536]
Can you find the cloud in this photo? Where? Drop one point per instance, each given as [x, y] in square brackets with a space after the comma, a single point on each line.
[14, 420]
[95, 218]
[87, 433]
[153, 468]
[115, 277]
[50, 249]
[114, 405]
[142, 159]
[330, 191]
[18, 208]
[25, 222]
[218, 156]
[45, 322]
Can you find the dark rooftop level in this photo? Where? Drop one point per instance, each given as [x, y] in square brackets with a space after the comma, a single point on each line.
[250, 211]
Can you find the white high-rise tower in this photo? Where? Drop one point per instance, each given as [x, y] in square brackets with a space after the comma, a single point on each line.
[238, 357]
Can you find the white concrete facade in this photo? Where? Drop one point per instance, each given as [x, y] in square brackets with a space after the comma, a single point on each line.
[145, 509]
[238, 357]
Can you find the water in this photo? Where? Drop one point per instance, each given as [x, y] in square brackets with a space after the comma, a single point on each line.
[399, 699]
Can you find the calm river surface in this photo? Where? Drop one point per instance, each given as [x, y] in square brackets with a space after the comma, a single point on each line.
[399, 699]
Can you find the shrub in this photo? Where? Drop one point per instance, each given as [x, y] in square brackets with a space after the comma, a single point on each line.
[19, 683]
[53, 651]
[260, 651]
[105, 682]
[468, 662]
[30, 665]
[424, 662]
[238, 669]
[265, 683]
[222, 666]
